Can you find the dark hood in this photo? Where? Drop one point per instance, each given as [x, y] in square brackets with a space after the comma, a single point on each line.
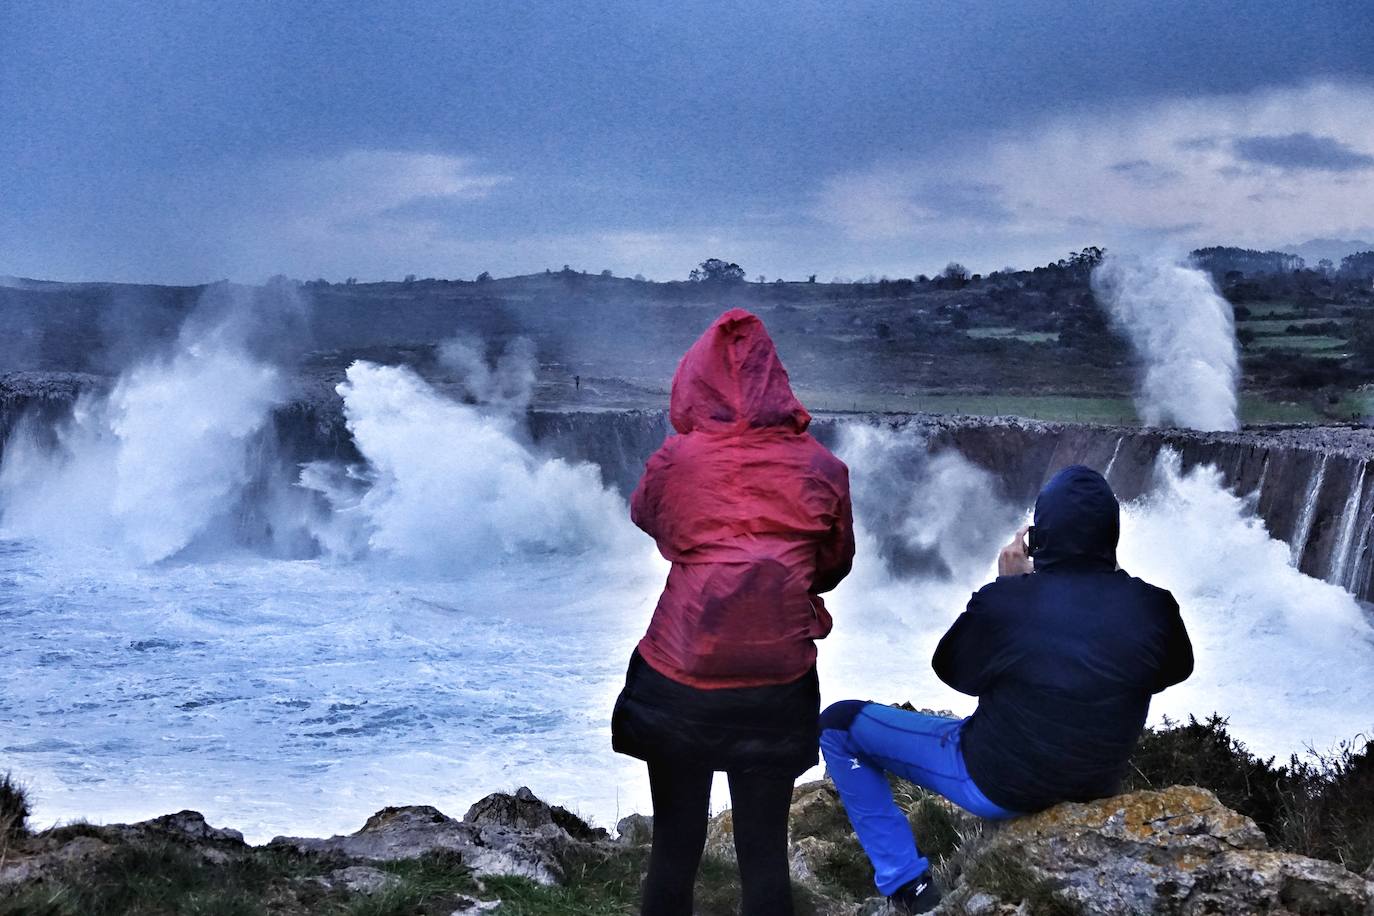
[731, 379]
[1077, 521]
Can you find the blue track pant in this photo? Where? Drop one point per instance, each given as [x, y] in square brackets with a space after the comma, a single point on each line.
[863, 741]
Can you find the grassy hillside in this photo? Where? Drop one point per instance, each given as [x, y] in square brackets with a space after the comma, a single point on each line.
[1026, 342]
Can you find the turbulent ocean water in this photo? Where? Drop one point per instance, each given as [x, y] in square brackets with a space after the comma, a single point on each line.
[466, 624]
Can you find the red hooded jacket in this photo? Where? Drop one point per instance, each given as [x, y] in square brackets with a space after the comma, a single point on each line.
[752, 511]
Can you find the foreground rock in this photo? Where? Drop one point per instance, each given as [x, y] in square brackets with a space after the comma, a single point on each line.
[501, 835]
[1177, 851]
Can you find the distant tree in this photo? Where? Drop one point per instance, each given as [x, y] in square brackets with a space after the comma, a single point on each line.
[1088, 258]
[1325, 266]
[778, 281]
[1362, 340]
[811, 278]
[1220, 259]
[410, 278]
[639, 278]
[1359, 265]
[922, 278]
[484, 277]
[760, 279]
[351, 281]
[714, 270]
[606, 274]
[954, 271]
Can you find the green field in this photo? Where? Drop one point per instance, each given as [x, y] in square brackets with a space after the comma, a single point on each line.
[1312, 344]
[1268, 326]
[1036, 337]
[1285, 310]
[1254, 408]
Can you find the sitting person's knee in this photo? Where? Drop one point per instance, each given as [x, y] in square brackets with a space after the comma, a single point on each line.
[841, 715]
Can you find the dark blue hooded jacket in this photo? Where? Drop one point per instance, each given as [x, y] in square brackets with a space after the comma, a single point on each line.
[1063, 661]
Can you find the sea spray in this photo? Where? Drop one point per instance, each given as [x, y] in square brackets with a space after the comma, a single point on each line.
[506, 383]
[1266, 636]
[1184, 333]
[451, 486]
[154, 464]
[929, 512]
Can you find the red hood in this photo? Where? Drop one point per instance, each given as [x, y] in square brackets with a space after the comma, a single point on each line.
[731, 379]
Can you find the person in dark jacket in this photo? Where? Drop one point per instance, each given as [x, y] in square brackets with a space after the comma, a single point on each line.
[755, 516]
[1063, 663]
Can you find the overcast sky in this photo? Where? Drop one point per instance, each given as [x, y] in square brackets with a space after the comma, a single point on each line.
[190, 141]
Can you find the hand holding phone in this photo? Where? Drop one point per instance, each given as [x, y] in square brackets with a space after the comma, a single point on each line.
[1014, 560]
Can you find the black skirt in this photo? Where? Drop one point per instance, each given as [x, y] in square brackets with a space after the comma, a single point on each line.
[770, 730]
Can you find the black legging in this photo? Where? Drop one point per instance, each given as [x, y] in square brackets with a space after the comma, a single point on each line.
[682, 804]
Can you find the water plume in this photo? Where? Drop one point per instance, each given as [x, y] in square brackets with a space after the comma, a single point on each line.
[1184, 333]
[449, 485]
[507, 383]
[160, 460]
[929, 513]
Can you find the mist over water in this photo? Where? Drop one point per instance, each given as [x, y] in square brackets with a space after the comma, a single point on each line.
[1184, 333]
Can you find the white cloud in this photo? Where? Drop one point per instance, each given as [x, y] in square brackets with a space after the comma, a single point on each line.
[365, 204]
[1181, 168]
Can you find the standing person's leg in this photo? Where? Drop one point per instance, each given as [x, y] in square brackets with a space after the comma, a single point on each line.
[760, 806]
[861, 742]
[682, 804]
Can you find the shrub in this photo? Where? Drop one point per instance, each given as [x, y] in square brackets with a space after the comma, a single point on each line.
[14, 810]
[1320, 806]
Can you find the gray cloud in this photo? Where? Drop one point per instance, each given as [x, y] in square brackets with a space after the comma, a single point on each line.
[1145, 173]
[1302, 151]
[978, 200]
[1198, 143]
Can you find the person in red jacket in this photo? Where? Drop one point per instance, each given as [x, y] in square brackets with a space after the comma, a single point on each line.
[755, 516]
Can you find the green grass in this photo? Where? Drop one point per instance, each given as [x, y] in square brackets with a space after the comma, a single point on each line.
[14, 810]
[1304, 343]
[1269, 327]
[1035, 337]
[1254, 407]
[1285, 310]
[1043, 407]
